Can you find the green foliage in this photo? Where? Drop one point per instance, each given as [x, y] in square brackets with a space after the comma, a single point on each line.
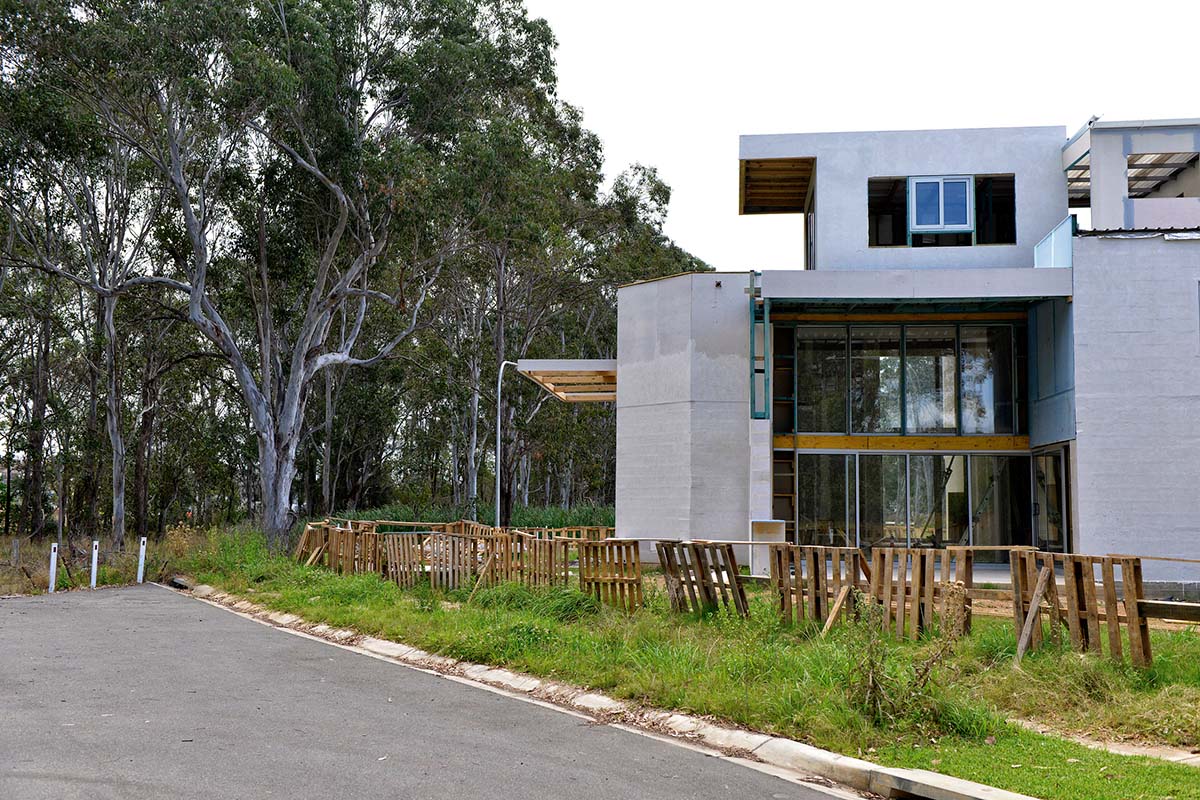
[367, 169]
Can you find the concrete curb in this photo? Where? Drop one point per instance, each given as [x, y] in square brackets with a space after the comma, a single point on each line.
[778, 752]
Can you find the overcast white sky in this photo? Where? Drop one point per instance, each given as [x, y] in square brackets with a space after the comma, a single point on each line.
[673, 84]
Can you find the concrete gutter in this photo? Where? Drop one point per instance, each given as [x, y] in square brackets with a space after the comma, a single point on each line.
[778, 752]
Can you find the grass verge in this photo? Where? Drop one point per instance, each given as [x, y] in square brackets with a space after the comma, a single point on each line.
[762, 675]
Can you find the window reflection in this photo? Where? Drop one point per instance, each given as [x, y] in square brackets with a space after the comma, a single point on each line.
[821, 393]
[875, 379]
[937, 500]
[987, 379]
[825, 499]
[930, 393]
[882, 507]
[1000, 503]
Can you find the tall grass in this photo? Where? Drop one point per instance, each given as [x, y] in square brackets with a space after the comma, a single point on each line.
[938, 704]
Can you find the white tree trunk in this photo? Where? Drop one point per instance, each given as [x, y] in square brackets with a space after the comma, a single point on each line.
[277, 469]
[115, 438]
[473, 442]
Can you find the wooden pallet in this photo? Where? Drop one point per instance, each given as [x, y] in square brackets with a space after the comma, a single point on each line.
[312, 545]
[912, 585]
[808, 580]
[405, 558]
[610, 571]
[453, 559]
[702, 576]
[1091, 611]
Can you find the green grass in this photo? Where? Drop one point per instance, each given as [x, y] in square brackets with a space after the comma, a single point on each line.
[766, 676]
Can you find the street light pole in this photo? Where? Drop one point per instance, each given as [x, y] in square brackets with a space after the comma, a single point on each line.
[499, 380]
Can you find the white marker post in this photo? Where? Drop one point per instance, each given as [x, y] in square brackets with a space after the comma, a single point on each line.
[141, 559]
[53, 566]
[95, 556]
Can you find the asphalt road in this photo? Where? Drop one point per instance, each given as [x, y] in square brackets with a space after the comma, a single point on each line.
[143, 693]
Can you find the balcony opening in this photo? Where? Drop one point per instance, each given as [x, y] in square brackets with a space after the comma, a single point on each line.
[1152, 175]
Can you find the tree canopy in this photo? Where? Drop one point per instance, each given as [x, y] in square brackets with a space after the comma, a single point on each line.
[279, 249]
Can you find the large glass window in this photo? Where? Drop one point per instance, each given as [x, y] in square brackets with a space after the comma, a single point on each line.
[825, 499]
[882, 501]
[987, 378]
[821, 391]
[930, 386]
[914, 499]
[875, 379]
[937, 491]
[1000, 503]
[916, 379]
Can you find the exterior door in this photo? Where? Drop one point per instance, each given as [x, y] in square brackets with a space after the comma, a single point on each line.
[1049, 502]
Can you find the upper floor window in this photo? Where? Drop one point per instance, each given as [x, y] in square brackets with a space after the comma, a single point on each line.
[941, 205]
[941, 211]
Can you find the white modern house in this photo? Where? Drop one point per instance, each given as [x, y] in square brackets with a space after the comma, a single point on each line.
[959, 363]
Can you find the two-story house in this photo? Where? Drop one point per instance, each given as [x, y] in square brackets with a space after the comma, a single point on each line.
[959, 363]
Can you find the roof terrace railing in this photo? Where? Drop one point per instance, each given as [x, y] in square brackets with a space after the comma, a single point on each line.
[1055, 250]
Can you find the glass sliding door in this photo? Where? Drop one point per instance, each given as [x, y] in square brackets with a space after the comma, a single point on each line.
[822, 373]
[930, 379]
[987, 379]
[937, 500]
[875, 379]
[1001, 511]
[882, 500]
[1049, 497]
[825, 499]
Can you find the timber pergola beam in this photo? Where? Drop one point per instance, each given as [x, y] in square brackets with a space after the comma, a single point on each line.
[574, 380]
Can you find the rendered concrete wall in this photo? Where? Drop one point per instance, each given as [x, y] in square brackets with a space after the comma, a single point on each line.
[683, 408]
[845, 161]
[1112, 208]
[910, 284]
[1051, 373]
[1136, 315]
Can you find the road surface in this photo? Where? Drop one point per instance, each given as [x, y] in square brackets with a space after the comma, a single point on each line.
[143, 693]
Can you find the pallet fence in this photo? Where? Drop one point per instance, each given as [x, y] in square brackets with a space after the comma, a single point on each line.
[701, 576]
[912, 584]
[815, 582]
[1092, 611]
[611, 571]
[453, 559]
[405, 558]
[522, 558]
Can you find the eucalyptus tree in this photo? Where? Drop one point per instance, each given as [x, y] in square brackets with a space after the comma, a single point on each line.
[309, 152]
